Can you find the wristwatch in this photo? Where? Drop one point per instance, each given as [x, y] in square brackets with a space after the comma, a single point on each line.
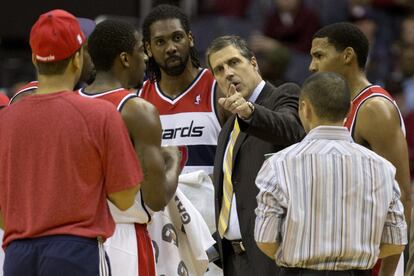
[251, 106]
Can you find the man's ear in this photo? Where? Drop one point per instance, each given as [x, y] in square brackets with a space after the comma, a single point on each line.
[124, 59]
[77, 59]
[349, 55]
[148, 49]
[191, 38]
[253, 61]
[306, 108]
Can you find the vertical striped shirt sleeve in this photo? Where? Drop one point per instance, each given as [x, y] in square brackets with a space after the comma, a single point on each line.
[395, 228]
[272, 203]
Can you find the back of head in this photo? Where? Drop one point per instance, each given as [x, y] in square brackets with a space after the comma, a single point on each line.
[109, 39]
[228, 40]
[54, 39]
[342, 35]
[328, 94]
[159, 13]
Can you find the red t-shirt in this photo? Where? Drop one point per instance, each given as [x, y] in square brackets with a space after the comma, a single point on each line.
[60, 156]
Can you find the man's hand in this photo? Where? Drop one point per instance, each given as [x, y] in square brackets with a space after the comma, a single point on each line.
[236, 104]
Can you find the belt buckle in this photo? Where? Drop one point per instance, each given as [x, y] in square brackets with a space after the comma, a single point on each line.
[238, 247]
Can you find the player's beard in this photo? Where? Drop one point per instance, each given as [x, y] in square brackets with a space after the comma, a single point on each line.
[177, 69]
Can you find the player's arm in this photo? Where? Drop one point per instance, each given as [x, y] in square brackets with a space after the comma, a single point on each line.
[160, 165]
[124, 199]
[378, 125]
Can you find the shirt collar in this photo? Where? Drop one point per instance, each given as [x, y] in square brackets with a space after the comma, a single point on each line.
[257, 91]
[329, 133]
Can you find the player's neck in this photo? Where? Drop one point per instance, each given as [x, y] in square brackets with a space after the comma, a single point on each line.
[104, 81]
[357, 82]
[55, 83]
[173, 86]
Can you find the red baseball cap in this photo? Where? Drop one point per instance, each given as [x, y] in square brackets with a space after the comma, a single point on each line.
[55, 36]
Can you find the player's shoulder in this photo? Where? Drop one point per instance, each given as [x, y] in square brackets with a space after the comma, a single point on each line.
[205, 76]
[378, 107]
[124, 92]
[207, 73]
[148, 84]
[90, 104]
[377, 117]
[137, 105]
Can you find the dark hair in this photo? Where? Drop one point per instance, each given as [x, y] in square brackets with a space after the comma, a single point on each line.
[228, 40]
[164, 12]
[342, 35]
[329, 95]
[109, 39]
[53, 68]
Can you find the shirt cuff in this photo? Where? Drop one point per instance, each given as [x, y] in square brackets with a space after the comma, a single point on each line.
[267, 229]
[395, 234]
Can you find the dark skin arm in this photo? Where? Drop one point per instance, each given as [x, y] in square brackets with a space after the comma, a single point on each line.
[378, 128]
[160, 164]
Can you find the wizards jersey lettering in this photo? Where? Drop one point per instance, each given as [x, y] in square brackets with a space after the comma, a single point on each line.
[182, 132]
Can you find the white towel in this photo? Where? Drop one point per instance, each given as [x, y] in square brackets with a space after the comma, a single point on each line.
[180, 238]
[199, 189]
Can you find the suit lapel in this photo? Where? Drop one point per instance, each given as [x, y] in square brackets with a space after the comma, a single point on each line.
[221, 151]
[267, 89]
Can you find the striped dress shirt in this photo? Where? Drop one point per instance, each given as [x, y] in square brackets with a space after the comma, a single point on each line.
[329, 203]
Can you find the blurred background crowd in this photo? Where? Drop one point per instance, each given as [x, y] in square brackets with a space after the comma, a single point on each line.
[279, 32]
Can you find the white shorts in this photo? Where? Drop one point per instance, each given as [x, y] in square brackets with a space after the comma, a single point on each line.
[130, 251]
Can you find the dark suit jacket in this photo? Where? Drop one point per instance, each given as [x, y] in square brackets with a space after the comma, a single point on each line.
[273, 126]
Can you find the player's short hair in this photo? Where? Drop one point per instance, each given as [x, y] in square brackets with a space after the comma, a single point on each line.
[329, 95]
[54, 68]
[229, 40]
[164, 12]
[109, 39]
[342, 35]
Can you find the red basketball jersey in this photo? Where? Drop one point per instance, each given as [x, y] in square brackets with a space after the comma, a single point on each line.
[368, 92]
[189, 120]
